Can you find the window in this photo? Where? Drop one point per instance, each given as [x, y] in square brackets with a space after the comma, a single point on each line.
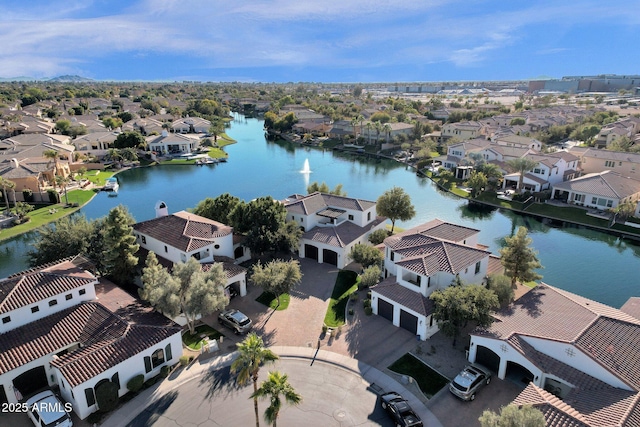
[369, 216]
[116, 380]
[594, 200]
[91, 398]
[167, 352]
[35, 309]
[144, 239]
[157, 358]
[6, 319]
[610, 164]
[428, 281]
[53, 302]
[165, 248]
[350, 217]
[477, 267]
[216, 246]
[67, 297]
[392, 256]
[82, 291]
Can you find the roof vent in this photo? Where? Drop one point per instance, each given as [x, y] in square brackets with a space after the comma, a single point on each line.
[15, 163]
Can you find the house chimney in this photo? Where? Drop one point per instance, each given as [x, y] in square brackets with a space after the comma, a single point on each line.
[15, 163]
[161, 209]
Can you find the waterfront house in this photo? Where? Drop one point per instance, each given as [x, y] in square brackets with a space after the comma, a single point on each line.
[332, 225]
[424, 259]
[576, 359]
[603, 191]
[96, 143]
[176, 237]
[552, 168]
[172, 143]
[62, 327]
[191, 125]
[595, 161]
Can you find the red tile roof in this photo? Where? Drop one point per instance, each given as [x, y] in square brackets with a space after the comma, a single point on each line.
[429, 258]
[390, 289]
[41, 283]
[183, 230]
[340, 235]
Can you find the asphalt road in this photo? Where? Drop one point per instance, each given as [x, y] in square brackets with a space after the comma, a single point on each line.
[331, 396]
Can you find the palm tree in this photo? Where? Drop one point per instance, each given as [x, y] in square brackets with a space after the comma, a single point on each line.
[275, 386]
[354, 123]
[7, 184]
[369, 126]
[251, 355]
[62, 182]
[378, 127]
[522, 165]
[54, 156]
[387, 129]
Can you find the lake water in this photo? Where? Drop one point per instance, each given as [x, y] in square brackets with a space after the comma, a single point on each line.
[586, 262]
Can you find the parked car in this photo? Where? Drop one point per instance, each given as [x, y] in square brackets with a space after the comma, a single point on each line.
[399, 410]
[471, 379]
[46, 410]
[235, 320]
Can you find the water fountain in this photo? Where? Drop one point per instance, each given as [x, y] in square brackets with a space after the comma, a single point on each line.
[305, 167]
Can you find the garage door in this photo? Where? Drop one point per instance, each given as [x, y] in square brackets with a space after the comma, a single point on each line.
[329, 257]
[385, 309]
[31, 381]
[311, 251]
[488, 358]
[409, 322]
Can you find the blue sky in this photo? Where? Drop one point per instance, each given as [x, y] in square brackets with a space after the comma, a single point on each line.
[318, 40]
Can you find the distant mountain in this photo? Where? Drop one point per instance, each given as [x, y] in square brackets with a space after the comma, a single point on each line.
[70, 79]
[17, 79]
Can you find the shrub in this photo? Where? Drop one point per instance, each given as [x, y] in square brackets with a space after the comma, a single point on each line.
[184, 360]
[370, 277]
[368, 311]
[367, 303]
[135, 383]
[351, 312]
[54, 197]
[107, 396]
[27, 195]
[378, 236]
[164, 371]
[501, 286]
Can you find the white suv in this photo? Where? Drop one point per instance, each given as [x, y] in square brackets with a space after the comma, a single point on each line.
[46, 410]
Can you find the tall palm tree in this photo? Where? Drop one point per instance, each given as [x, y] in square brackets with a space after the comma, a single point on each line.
[369, 126]
[522, 165]
[54, 156]
[251, 355]
[387, 130]
[354, 123]
[378, 127]
[275, 386]
[6, 184]
[62, 182]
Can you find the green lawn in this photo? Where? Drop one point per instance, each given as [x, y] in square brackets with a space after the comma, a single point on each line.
[49, 213]
[346, 284]
[270, 300]
[97, 177]
[568, 213]
[429, 381]
[194, 341]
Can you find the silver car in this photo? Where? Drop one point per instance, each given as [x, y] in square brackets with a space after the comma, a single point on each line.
[46, 410]
[467, 383]
[236, 320]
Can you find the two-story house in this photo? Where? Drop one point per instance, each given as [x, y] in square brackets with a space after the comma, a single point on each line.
[420, 261]
[172, 143]
[595, 161]
[179, 236]
[332, 225]
[61, 327]
[462, 131]
[579, 358]
[191, 125]
[552, 168]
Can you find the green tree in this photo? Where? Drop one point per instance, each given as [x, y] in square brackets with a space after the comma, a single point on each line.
[216, 129]
[160, 288]
[22, 209]
[477, 182]
[366, 255]
[277, 277]
[624, 211]
[324, 188]
[63, 126]
[517, 121]
[252, 354]
[522, 166]
[493, 174]
[129, 139]
[501, 286]
[513, 416]
[377, 236]
[120, 258]
[112, 122]
[456, 306]
[6, 184]
[370, 276]
[67, 237]
[62, 181]
[395, 204]
[260, 219]
[273, 388]
[55, 157]
[519, 260]
[217, 209]
[201, 293]
[288, 237]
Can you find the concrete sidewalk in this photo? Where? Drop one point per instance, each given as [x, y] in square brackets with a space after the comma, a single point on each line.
[377, 380]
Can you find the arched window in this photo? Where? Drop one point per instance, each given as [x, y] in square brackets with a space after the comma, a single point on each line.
[157, 358]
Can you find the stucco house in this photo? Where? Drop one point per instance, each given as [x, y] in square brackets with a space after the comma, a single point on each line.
[462, 130]
[172, 143]
[181, 235]
[191, 125]
[97, 143]
[594, 161]
[552, 168]
[604, 190]
[63, 328]
[420, 261]
[332, 225]
[578, 358]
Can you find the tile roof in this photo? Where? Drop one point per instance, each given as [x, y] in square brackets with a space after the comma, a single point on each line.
[620, 156]
[32, 286]
[632, 307]
[183, 230]
[316, 202]
[391, 289]
[430, 258]
[607, 184]
[340, 235]
[436, 229]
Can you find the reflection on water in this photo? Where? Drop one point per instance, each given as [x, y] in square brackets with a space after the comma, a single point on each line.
[596, 265]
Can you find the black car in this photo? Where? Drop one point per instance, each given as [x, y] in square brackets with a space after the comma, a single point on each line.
[399, 410]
